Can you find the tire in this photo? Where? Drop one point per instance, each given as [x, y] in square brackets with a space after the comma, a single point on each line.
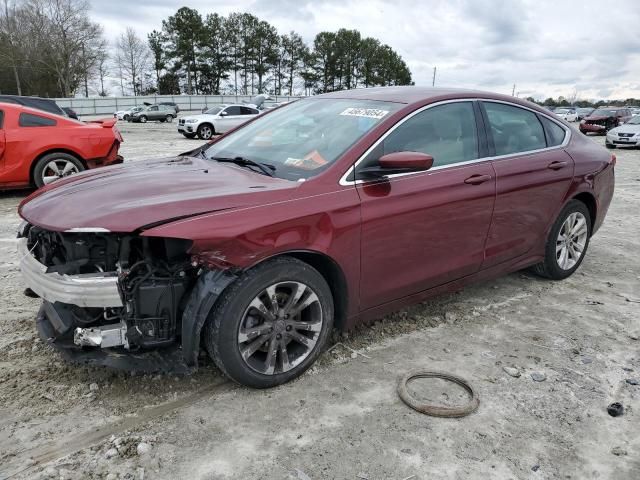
[55, 165]
[552, 266]
[126, 118]
[169, 118]
[235, 311]
[189, 135]
[143, 119]
[205, 131]
[609, 145]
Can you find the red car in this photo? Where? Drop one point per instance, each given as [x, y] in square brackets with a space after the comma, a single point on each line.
[603, 119]
[324, 213]
[38, 147]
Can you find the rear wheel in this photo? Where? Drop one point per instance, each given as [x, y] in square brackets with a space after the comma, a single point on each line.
[271, 324]
[205, 131]
[55, 165]
[169, 118]
[567, 242]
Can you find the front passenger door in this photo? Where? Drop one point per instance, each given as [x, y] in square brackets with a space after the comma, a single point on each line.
[424, 229]
[232, 118]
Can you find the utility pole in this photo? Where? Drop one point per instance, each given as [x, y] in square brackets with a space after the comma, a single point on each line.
[433, 82]
[513, 92]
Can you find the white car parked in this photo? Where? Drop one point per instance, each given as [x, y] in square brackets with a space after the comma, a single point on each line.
[126, 114]
[216, 120]
[567, 114]
[626, 135]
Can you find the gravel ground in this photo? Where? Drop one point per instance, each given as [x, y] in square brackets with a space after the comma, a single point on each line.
[343, 418]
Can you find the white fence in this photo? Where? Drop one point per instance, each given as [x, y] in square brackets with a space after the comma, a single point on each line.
[109, 105]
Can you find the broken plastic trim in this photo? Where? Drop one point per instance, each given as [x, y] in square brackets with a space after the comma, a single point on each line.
[203, 296]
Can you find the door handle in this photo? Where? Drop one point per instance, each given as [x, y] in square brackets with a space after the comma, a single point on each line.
[477, 179]
[557, 165]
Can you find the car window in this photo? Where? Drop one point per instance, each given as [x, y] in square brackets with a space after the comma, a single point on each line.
[1, 119]
[247, 111]
[446, 132]
[30, 120]
[233, 110]
[153, 109]
[514, 129]
[554, 132]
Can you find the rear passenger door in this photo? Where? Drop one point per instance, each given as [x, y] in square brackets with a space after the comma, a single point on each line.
[533, 174]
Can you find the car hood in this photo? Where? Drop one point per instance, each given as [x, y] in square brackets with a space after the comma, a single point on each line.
[129, 197]
[200, 117]
[626, 129]
[597, 117]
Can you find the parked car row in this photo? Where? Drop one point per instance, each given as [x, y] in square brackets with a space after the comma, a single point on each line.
[603, 119]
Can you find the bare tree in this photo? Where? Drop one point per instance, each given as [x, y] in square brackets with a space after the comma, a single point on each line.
[67, 39]
[101, 70]
[10, 45]
[132, 59]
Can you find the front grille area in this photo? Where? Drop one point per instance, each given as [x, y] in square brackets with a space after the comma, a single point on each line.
[625, 135]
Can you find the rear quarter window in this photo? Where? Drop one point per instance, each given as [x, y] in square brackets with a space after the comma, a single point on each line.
[554, 132]
[31, 120]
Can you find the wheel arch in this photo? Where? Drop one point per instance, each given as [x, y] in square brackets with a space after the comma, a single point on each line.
[209, 123]
[590, 202]
[35, 161]
[331, 272]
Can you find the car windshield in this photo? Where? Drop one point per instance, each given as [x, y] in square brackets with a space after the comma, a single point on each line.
[634, 121]
[213, 111]
[304, 138]
[601, 112]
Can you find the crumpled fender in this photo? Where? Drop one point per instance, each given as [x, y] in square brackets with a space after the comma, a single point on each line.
[203, 296]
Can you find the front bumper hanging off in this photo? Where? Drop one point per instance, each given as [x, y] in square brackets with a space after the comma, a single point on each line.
[84, 290]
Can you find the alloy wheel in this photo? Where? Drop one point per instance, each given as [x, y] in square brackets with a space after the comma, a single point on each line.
[206, 132]
[280, 327]
[571, 241]
[56, 169]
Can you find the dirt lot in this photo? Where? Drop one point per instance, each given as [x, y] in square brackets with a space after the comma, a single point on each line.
[343, 418]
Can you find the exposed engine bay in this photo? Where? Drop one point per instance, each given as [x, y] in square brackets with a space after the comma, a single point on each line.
[153, 277]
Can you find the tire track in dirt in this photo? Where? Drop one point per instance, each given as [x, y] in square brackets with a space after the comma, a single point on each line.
[54, 450]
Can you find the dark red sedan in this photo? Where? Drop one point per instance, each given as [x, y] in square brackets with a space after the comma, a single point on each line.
[327, 212]
[38, 147]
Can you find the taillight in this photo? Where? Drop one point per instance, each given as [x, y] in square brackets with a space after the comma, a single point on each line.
[612, 162]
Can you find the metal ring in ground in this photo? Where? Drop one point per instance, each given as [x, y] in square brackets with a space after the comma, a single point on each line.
[435, 410]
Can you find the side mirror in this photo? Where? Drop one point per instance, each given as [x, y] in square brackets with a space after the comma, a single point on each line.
[398, 162]
[223, 114]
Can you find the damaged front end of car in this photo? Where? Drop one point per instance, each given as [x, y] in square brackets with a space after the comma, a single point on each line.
[119, 299]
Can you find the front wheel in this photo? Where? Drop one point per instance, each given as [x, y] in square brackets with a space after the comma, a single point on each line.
[205, 131]
[143, 119]
[271, 324]
[169, 118]
[567, 242]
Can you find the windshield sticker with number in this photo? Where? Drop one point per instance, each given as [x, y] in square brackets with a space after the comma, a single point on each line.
[365, 112]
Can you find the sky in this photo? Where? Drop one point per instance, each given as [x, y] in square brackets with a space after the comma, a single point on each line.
[547, 48]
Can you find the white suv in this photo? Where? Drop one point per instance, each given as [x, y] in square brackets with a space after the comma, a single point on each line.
[216, 120]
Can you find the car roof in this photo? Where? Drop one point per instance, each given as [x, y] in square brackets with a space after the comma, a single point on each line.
[412, 94]
[25, 108]
[39, 103]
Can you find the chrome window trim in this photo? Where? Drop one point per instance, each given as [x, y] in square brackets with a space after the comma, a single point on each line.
[567, 137]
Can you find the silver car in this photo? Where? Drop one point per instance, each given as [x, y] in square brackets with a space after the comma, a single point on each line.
[161, 113]
[626, 135]
[216, 120]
